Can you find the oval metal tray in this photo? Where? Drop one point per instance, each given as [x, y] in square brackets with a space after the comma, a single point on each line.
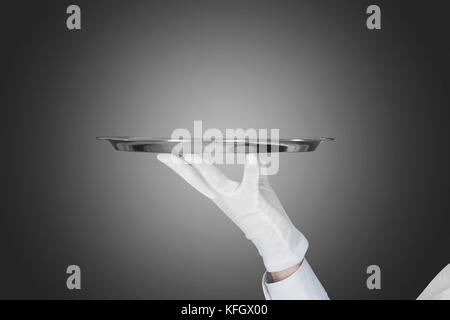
[165, 145]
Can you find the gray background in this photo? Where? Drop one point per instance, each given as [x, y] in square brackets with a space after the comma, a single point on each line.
[378, 195]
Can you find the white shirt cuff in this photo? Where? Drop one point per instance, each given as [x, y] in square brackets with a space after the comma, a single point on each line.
[301, 285]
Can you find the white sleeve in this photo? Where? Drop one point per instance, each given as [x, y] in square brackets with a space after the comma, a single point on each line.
[301, 285]
[439, 287]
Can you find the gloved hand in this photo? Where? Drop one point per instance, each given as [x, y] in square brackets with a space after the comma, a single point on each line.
[252, 205]
[439, 287]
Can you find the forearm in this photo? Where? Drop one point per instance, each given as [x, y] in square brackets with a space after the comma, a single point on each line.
[301, 284]
[281, 275]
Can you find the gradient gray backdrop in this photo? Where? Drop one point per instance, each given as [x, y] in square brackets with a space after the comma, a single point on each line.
[378, 195]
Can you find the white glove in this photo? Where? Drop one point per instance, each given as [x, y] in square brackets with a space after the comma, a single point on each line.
[439, 287]
[252, 205]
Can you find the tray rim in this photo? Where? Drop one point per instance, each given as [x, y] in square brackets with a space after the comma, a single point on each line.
[148, 139]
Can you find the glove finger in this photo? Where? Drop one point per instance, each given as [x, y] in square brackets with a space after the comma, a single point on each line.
[211, 174]
[251, 173]
[187, 172]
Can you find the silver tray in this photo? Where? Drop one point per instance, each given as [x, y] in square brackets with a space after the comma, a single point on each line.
[164, 145]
